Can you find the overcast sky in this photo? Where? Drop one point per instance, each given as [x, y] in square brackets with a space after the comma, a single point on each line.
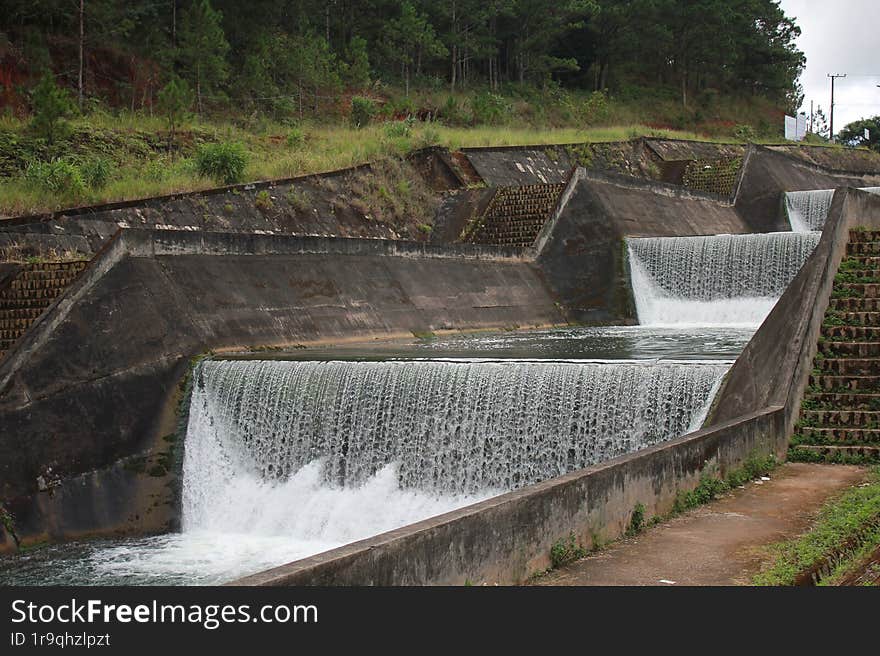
[840, 36]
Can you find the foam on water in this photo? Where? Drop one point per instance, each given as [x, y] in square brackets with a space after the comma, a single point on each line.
[719, 280]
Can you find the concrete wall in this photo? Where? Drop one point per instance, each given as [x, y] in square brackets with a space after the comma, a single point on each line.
[88, 385]
[506, 539]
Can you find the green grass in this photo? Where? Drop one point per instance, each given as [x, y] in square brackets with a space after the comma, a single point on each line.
[847, 529]
[142, 168]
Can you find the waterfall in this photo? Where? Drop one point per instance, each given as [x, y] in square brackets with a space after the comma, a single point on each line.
[714, 280]
[283, 447]
[808, 210]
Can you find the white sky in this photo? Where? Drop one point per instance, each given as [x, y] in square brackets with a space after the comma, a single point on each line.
[840, 36]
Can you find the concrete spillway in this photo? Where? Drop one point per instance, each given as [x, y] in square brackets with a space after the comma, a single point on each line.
[286, 459]
[323, 453]
[714, 280]
[451, 427]
[808, 210]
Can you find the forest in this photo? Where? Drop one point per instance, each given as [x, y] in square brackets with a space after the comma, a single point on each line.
[286, 57]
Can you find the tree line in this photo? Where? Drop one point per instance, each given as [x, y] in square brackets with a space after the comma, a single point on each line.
[287, 56]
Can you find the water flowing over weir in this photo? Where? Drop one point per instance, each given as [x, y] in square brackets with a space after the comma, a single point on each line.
[808, 210]
[447, 429]
[714, 280]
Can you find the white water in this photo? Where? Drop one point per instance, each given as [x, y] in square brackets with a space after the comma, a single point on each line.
[808, 210]
[251, 524]
[287, 459]
[719, 280]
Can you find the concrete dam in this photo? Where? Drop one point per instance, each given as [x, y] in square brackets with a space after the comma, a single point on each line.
[557, 374]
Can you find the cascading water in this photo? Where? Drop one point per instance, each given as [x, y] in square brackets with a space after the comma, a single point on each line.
[808, 210]
[717, 280]
[317, 454]
[285, 459]
[452, 427]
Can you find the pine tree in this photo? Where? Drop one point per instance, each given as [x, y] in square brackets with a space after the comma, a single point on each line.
[203, 49]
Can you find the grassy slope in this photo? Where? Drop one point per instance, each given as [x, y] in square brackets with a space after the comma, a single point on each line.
[848, 529]
[142, 167]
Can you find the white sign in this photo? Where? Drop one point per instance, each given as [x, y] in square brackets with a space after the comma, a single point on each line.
[867, 134]
[801, 131]
[791, 128]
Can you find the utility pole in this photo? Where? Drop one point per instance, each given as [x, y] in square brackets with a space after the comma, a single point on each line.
[811, 117]
[831, 128]
[81, 39]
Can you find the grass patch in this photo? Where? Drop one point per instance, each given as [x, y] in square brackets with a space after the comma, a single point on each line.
[710, 487]
[848, 528]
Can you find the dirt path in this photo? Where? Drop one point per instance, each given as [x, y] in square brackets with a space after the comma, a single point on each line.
[721, 543]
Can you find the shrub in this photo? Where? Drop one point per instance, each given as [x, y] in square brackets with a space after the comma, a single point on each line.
[95, 172]
[428, 137]
[362, 111]
[222, 162]
[295, 138]
[745, 133]
[453, 113]
[595, 109]
[399, 129]
[490, 108]
[58, 177]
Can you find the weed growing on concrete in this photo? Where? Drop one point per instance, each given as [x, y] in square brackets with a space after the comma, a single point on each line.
[711, 486]
[299, 200]
[566, 550]
[263, 200]
[636, 520]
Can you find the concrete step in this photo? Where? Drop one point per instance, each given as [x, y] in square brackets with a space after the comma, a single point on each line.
[862, 276]
[859, 236]
[841, 418]
[830, 383]
[858, 289]
[855, 304]
[851, 333]
[832, 435]
[850, 401]
[861, 318]
[836, 453]
[863, 248]
[868, 261]
[850, 349]
[850, 366]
